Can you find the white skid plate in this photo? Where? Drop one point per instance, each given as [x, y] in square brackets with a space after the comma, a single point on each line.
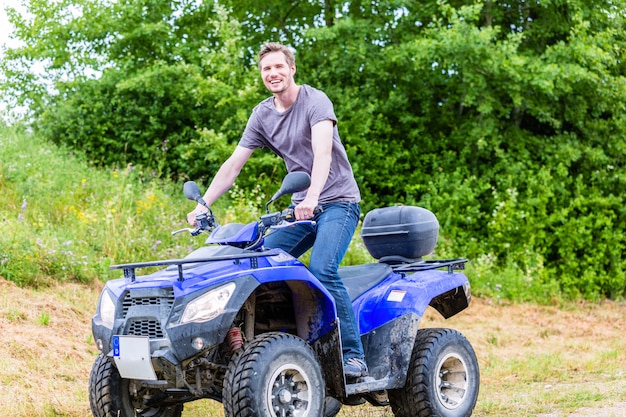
[132, 357]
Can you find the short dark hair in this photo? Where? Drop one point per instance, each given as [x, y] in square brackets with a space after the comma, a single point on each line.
[270, 47]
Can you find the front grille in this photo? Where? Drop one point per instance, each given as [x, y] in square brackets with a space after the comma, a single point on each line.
[145, 310]
[166, 300]
[145, 327]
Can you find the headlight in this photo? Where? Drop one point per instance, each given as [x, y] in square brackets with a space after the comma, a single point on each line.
[208, 306]
[107, 309]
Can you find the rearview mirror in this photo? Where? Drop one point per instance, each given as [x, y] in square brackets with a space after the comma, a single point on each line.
[192, 192]
[292, 183]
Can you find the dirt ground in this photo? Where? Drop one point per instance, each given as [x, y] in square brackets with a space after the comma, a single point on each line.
[46, 353]
[571, 350]
[618, 410]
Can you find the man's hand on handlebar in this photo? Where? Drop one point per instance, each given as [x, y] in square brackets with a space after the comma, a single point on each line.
[202, 219]
[192, 216]
[307, 208]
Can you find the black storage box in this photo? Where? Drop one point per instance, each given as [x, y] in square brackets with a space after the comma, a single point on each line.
[400, 234]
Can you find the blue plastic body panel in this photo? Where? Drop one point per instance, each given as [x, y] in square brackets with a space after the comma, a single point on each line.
[400, 294]
[248, 233]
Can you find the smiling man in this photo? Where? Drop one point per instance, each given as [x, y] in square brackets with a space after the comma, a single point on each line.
[298, 123]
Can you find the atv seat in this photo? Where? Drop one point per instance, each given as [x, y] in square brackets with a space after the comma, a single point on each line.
[359, 278]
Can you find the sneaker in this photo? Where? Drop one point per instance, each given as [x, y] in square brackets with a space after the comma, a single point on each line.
[332, 407]
[355, 368]
[377, 398]
[354, 400]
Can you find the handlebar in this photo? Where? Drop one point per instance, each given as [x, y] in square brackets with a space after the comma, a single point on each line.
[206, 223]
[288, 215]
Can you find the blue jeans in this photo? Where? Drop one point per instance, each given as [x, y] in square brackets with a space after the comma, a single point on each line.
[330, 238]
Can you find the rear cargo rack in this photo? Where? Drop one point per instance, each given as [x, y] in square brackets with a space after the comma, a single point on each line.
[452, 265]
[129, 269]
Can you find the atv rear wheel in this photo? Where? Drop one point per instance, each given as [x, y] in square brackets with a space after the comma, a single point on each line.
[276, 375]
[443, 377]
[110, 396]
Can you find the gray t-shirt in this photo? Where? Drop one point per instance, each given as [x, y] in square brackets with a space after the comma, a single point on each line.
[288, 134]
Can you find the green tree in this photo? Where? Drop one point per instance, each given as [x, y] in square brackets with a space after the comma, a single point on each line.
[134, 82]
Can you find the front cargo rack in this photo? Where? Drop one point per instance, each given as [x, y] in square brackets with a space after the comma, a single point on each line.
[129, 269]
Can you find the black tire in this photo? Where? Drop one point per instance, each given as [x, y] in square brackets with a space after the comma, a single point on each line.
[109, 395]
[443, 377]
[276, 375]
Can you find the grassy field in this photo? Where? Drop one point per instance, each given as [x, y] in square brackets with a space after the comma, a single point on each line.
[534, 360]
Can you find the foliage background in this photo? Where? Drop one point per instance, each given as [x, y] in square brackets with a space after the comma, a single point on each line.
[506, 119]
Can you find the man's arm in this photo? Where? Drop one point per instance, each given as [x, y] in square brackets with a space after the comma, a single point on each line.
[223, 180]
[322, 143]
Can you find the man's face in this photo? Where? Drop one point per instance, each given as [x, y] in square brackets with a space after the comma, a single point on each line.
[276, 73]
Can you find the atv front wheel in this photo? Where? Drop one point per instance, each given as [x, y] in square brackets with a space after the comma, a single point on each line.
[110, 395]
[276, 375]
[442, 379]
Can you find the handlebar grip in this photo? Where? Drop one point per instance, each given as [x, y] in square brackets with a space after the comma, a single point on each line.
[289, 214]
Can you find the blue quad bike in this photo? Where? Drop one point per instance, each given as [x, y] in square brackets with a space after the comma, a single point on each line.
[252, 328]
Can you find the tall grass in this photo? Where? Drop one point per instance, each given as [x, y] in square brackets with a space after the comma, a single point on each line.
[64, 220]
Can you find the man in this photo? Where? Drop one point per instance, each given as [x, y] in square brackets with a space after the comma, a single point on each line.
[298, 123]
